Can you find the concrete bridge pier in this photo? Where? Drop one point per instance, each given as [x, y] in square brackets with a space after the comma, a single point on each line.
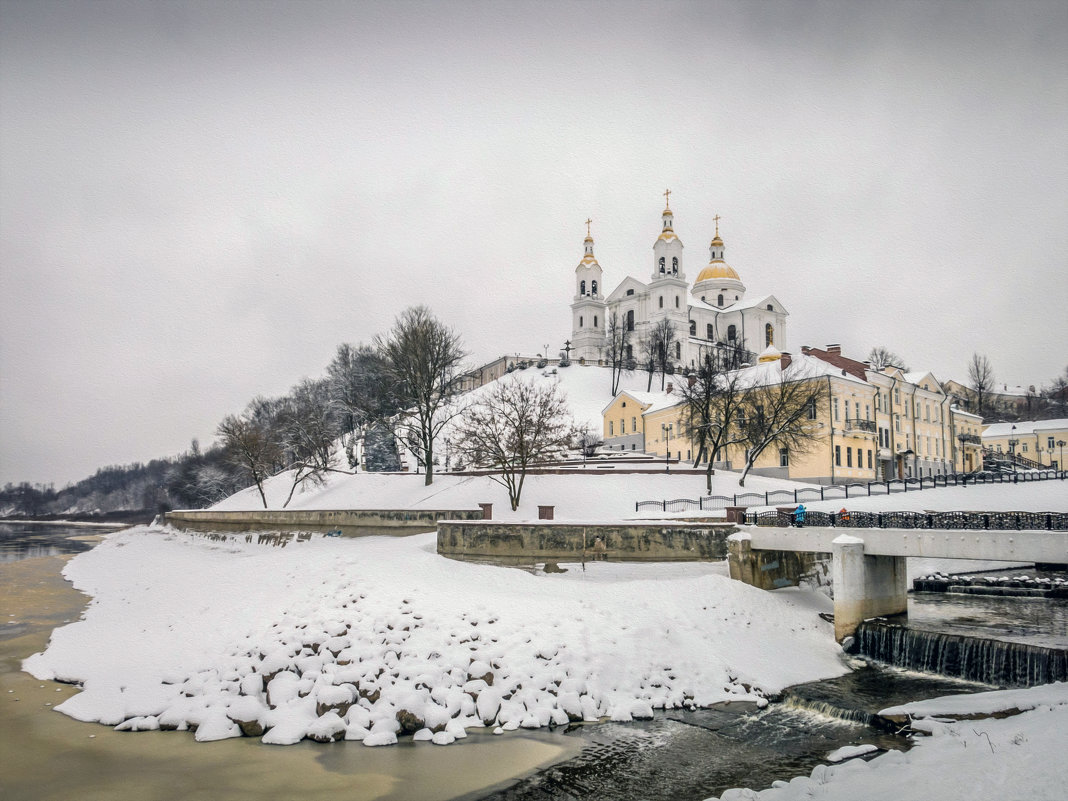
[865, 586]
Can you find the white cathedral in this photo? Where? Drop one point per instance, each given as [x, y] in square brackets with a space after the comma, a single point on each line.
[713, 315]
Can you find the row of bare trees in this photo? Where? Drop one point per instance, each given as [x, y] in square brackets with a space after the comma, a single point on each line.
[400, 386]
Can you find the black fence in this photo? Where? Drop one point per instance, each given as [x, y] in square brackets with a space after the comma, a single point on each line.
[1000, 521]
[834, 492]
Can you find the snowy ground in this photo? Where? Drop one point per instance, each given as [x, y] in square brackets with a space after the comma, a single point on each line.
[1018, 757]
[367, 638]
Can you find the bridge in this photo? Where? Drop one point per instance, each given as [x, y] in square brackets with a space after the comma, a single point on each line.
[868, 565]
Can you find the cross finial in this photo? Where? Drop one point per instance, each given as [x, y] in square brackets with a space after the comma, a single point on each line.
[588, 221]
[716, 218]
[667, 198]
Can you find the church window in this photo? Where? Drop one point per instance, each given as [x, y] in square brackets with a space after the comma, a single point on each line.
[693, 328]
[709, 334]
[595, 321]
[719, 301]
[769, 335]
[661, 299]
[676, 301]
[661, 264]
[732, 333]
[630, 320]
[630, 291]
[678, 350]
[582, 287]
[674, 264]
[736, 297]
[580, 321]
[770, 307]
[594, 287]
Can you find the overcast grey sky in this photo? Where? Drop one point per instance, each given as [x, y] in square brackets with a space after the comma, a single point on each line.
[199, 201]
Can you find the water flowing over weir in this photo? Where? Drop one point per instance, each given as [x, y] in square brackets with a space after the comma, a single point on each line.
[997, 662]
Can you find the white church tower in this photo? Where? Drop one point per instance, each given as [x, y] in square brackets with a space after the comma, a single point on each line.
[588, 308]
[668, 288]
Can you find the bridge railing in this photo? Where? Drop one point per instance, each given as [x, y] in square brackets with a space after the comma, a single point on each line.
[833, 492]
[990, 521]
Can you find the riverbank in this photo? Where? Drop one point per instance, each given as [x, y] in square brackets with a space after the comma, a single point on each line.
[48, 755]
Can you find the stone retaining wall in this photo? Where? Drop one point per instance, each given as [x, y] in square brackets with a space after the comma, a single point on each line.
[572, 542]
[351, 522]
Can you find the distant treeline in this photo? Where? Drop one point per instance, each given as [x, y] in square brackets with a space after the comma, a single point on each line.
[126, 493]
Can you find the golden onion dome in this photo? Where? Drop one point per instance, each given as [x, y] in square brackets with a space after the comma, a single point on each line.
[717, 269]
[717, 242]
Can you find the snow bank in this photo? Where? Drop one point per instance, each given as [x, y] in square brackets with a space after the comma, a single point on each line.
[1018, 757]
[374, 638]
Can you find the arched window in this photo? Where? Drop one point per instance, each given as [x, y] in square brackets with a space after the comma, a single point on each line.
[630, 320]
[693, 328]
[769, 335]
[595, 321]
[580, 321]
[719, 301]
[593, 285]
[582, 287]
[770, 307]
[732, 333]
[678, 350]
[676, 301]
[674, 264]
[709, 332]
[661, 299]
[661, 264]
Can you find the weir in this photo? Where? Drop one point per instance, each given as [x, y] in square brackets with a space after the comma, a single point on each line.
[997, 662]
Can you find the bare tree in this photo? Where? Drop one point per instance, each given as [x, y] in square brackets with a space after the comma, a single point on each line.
[661, 344]
[309, 433]
[253, 442]
[981, 377]
[711, 404]
[647, 349]
[617, 348]
[516, 424]
[779, 413]
[421, 357]
[881, 358]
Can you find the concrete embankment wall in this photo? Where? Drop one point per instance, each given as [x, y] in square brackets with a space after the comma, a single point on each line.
[564, 541]
[351, 522]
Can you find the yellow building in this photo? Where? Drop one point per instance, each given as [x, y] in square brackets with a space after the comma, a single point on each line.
[1035, 443]
[870, 426]
[968, 437]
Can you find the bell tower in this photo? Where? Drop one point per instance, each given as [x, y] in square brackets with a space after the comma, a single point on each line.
[589, 307]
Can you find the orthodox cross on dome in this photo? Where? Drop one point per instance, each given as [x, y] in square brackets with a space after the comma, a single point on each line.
[667, 198]
[717, 219]
[588, 221]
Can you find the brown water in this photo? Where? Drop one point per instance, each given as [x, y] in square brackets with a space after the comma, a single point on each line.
[47, 755]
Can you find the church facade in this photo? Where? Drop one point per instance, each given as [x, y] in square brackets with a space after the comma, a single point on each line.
[713, 316]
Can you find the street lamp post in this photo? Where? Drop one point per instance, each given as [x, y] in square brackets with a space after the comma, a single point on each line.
[665, 428]
[1012, 451]
[1060, 462]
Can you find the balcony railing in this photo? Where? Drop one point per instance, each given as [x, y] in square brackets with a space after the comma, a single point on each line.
[857, 424]
[970, 439]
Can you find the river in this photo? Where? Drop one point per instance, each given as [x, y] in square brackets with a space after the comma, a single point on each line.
[678, 755]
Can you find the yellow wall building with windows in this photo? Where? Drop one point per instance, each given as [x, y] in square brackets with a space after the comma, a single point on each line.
[1037, 441]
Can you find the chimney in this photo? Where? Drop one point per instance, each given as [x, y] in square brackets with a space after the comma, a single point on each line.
[670, 387]
[834, 350]
[784, 360]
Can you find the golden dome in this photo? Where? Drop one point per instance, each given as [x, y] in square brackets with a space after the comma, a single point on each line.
[667, 235]
[717, 241]
[717, 269]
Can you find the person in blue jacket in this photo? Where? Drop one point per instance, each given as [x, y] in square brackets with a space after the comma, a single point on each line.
[799, 515]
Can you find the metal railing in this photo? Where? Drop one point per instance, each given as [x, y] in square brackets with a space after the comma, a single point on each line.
[860, 424]
[989, 521]
[833, 492]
